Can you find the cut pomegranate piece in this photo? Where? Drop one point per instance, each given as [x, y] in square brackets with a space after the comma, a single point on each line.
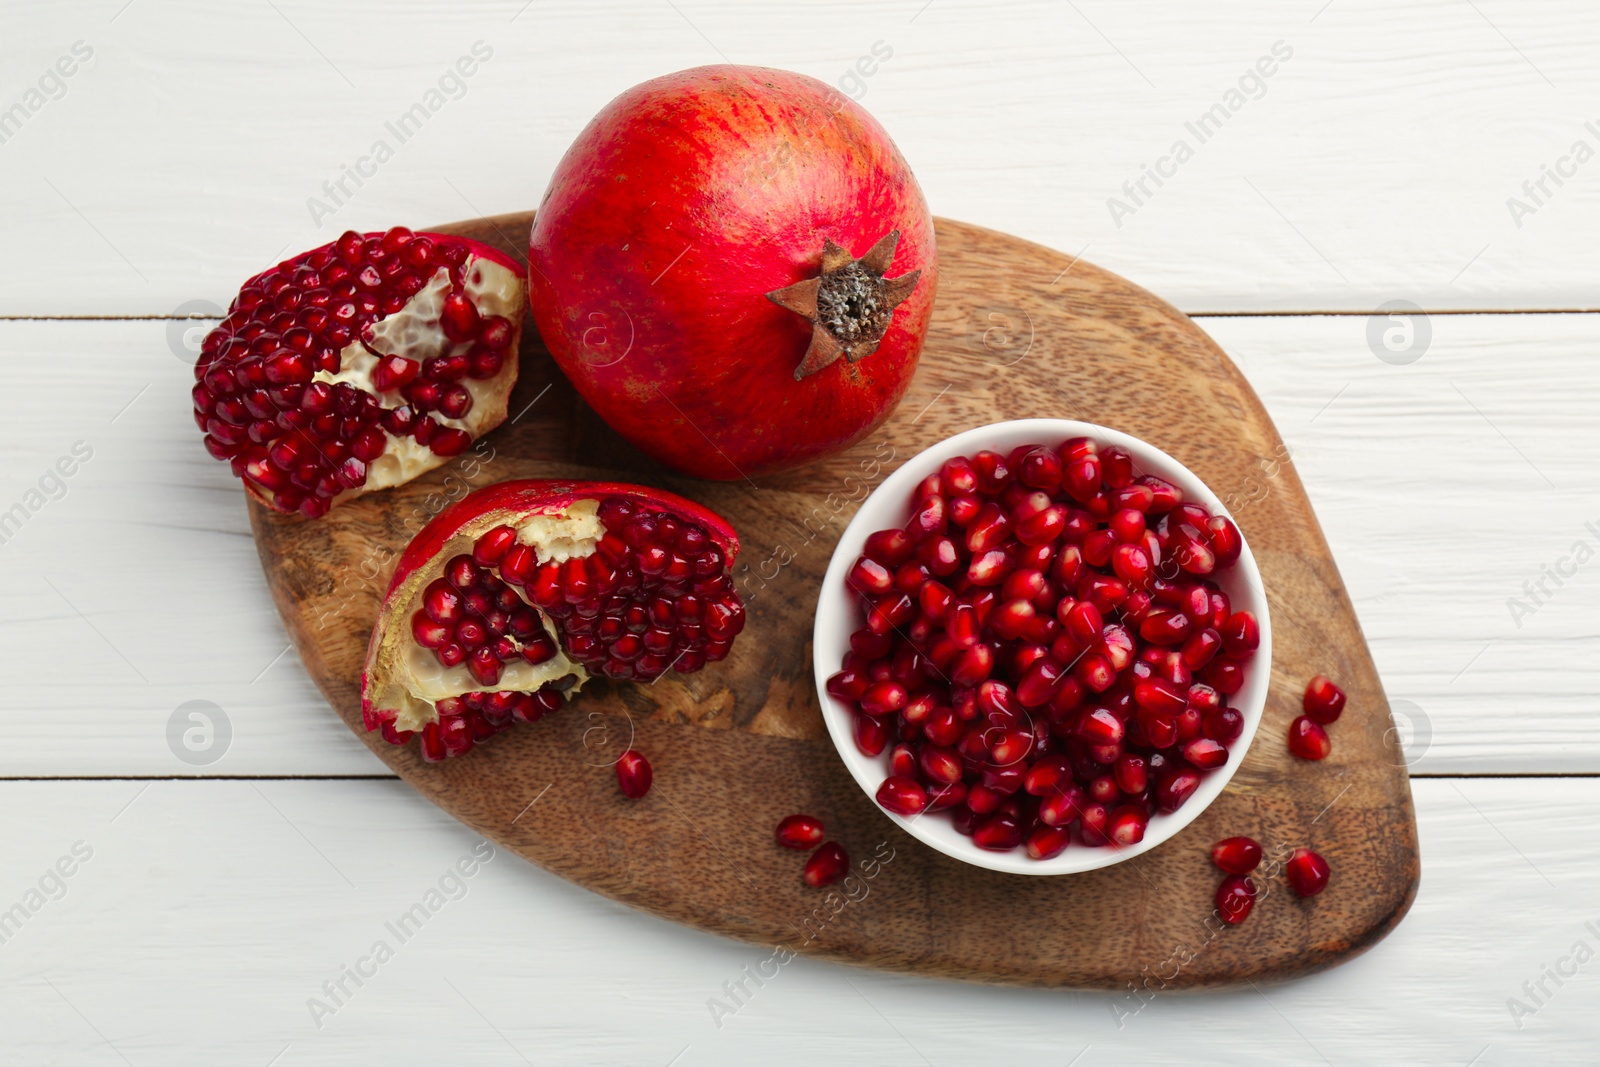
[827, 865]
[1323, 701]
[800, 832]
[360, 365]
[1044, 644]
[634, 774]
[513, 597]
[1307, 872]
[1235, 897]
[1237, 855]
[1308, 740]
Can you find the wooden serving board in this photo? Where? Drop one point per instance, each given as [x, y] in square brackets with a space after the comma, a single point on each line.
[1018, 330]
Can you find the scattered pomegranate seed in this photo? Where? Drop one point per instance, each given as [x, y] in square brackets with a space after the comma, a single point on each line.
[1323, 701]
[634, 774]
[1308, 740]
[1045, 651]
[1237, 855]
[1307, 872]
[1235, 897]
[800, 832]
[827, 865]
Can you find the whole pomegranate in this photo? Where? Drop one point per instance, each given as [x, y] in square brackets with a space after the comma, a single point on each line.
[710, 246]
[520, 592]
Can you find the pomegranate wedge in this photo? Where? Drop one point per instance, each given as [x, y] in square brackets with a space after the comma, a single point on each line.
[360, 365]
[512, 598]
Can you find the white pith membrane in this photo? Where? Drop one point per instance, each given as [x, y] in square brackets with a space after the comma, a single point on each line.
[415, 333]
[409, 678]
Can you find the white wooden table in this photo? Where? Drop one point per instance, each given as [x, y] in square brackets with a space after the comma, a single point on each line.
[207, 904]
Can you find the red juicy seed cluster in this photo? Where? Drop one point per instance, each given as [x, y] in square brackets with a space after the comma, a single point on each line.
[1046, 643]
[306, 442]
[473, 717]
[654, 596]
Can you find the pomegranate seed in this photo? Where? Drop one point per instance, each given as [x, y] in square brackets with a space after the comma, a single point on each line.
[997, 833]
[1224, 675]
[1241, 634]
[889, 547]
[903, 760]
[1047, 841]
[1160, 695]
[1205, 753]
[1308, 740]
[1093, 821]
[634, 774]
[902, 795]
[1062, 807]
[946, 796]
[1100, 727]
[870, 578]
[940, 764]
[1237, 855]
[1323, 701]
[871, 735]
[827, 865]
[883, 698]
[1126, 825]
[1307, 872]
[1235, 897]
[1132, 773]
[1175, 787]
[1225, 540]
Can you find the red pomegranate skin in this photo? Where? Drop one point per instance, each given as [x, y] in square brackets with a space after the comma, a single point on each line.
[674, 213]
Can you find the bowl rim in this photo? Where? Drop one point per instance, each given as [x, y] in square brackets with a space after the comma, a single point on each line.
[838, 613]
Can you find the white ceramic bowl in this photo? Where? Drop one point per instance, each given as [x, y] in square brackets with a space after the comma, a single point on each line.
[839, 613]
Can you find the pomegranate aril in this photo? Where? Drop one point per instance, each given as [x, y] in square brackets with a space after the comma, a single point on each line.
[1224, 675]
[1323, 700]
[870, 578]
[1174, 787]
[1126, 825]
[1307, 872]
[1235, 897]
[827, 865]
[1237, 855]
[1225, 540]
[889, 547]
[1222, 724]
[1205, 753]
[634, 774]
[1241, 634]
[902, 795]
[1093, 822]
[871, 734]
[1047, 841]
[1308, 740]
[1061, 807]
[998, 833]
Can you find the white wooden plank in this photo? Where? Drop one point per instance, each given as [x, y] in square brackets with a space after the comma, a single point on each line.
[1445, 485]
[1376, 164]
[210, 912]
[1429, 479]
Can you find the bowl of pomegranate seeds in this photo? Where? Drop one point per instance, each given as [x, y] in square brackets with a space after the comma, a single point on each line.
[1042, 646]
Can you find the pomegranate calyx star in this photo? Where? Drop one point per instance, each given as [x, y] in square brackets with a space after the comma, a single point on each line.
[849, 305]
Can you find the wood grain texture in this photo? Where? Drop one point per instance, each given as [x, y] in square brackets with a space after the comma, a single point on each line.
[1375, 164]
[1019, 330]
